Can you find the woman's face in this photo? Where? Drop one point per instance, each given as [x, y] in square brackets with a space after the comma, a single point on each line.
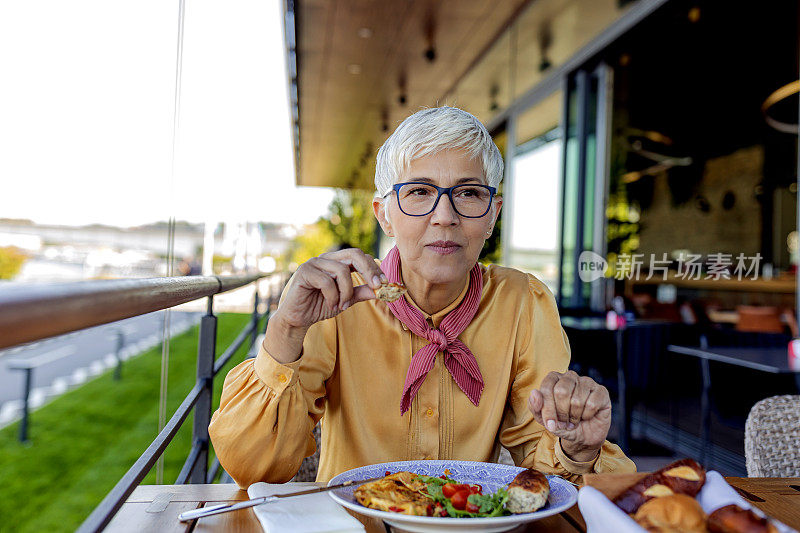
[440, 247]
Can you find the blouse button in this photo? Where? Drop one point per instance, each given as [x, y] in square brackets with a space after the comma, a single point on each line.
[282, 378]
[429, 412]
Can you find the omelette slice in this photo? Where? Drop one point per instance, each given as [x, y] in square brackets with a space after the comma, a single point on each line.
[402, 493]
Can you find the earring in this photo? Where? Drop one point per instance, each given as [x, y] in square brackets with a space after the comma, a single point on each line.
[489, 233]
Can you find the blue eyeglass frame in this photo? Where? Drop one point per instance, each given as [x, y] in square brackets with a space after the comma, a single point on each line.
[444, 190]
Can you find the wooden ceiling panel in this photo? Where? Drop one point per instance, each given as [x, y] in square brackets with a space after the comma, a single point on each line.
[357, 57]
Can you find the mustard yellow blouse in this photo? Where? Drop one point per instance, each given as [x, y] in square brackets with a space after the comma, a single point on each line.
[351, 376]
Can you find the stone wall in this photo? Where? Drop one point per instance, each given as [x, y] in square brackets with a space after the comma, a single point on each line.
[665, 228]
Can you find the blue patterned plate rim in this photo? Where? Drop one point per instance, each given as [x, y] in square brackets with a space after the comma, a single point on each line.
[563, 494]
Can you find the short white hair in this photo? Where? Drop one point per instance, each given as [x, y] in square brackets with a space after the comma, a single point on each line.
[430, 131]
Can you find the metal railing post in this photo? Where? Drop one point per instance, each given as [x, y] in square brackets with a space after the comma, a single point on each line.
[23, 426]
[118, 353]
[255, 318]
[205, 377]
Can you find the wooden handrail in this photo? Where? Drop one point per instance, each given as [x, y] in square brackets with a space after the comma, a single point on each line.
[30, 312]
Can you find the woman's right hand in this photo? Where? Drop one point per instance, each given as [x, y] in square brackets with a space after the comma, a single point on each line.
[321, 288]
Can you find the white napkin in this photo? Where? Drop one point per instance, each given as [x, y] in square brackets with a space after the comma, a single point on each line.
[602, 516]
[315, 513]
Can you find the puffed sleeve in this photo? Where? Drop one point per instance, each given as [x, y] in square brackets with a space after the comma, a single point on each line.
[545, 349]
[268, 410]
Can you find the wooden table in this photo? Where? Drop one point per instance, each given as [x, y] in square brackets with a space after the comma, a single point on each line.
[156, 508]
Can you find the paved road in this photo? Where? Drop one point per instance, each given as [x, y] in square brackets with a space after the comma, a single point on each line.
[71, 359]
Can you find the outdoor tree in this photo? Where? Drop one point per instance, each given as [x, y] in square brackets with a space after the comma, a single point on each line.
[349, 223]
[350, 220]
[314, 240]
[11, 261]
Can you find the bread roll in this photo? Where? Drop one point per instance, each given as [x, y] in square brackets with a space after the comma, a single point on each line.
[684, 477]
[634, 496]
[734, 519]
[528, 492]
[681, 477]
[677, 513]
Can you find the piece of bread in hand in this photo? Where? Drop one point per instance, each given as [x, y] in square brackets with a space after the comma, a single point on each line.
[389, 292]
[528, 492]
[734, 519]
[677, 513]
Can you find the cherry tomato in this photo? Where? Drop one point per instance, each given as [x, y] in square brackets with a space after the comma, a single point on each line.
[472, 508]
[459, 499]
[449, 489]
[476, 489]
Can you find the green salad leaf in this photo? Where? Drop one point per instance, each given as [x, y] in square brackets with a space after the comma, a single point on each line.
[490, 505]
[435, 492]
[436, 480]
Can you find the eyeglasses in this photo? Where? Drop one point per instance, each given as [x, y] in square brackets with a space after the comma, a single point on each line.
[417, 198]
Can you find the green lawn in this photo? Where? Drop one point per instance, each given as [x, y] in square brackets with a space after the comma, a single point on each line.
[85, 440]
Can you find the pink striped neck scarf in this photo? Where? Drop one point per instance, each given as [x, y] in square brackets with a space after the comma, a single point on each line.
[457, 357]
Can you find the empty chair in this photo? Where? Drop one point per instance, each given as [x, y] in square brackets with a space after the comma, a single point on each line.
[759, 319]
[663, 311]
[791, 320]
[771, 437]
[309, 466]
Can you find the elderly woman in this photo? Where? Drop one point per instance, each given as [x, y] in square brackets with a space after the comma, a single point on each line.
[471, 359]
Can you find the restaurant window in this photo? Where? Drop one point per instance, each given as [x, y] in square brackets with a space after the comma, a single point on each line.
[534, 191]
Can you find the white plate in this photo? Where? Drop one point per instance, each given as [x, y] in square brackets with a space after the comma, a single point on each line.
[490, 476]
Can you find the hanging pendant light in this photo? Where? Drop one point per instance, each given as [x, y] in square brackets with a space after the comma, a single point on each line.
[781, 94]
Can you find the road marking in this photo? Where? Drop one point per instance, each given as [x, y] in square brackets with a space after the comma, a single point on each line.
[45, 358]
[78, 376]
[59, 386]
[97, 368]
[10, 411]
[37, 397]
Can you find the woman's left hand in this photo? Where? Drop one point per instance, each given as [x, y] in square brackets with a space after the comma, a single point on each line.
[574, 408]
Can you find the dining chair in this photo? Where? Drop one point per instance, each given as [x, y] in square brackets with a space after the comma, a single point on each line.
[762, 319]
[309, 466]
[771, 437]
[790, 318]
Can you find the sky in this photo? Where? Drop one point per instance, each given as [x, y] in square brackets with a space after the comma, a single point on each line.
[86, 114]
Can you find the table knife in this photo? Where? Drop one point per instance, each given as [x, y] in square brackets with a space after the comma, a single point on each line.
[224, 508]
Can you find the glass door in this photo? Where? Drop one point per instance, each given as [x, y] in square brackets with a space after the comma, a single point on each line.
[585, 165]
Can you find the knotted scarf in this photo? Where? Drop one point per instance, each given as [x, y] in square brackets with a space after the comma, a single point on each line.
[458, 360]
